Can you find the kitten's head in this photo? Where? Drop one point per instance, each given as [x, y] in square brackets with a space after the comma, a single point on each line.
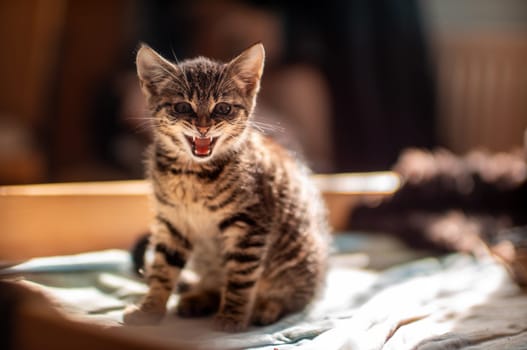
[201, 107]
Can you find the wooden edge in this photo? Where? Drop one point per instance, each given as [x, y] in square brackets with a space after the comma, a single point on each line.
[70, 218]
[385, 182]
[129, 187]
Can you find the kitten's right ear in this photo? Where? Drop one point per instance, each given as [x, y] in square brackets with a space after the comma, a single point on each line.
[152, 69]
[247, 68]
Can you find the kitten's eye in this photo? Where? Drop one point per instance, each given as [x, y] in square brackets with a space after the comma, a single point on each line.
[222, 108]
[182, 108]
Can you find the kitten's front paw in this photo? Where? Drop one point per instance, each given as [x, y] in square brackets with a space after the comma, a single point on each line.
[267, 312]
[135, 316]
[228, 323]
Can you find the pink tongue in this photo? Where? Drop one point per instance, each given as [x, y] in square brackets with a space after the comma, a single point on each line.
[202, 146]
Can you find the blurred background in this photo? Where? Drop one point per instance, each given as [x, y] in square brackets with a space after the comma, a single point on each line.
[348, 84]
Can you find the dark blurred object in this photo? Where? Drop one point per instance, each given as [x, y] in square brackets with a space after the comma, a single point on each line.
[450, 202]
[34, 319]
[476, 203]
[138, 253]
[14, 295]
[382, 83]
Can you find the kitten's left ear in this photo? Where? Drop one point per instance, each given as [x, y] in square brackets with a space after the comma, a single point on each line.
[152, 68]
[247, 68]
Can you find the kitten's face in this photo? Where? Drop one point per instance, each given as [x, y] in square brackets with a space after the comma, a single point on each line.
[201, 107]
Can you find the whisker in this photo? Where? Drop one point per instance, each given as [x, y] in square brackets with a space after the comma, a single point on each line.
[144, 126]
[174, 54]
[170, 73]
[260, 129]
[187, 125]
[267, 126]
[185, 79]
[141, 118]
[174, 75]
[144, 123]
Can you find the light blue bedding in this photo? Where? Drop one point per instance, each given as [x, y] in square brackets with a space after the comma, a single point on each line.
[452, 302]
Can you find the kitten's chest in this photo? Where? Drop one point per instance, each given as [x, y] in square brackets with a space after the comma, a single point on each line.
[186, 190]
[189, 210]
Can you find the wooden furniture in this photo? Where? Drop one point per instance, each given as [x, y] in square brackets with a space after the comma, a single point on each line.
[57, 219]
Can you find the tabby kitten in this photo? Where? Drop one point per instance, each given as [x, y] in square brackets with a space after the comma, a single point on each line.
[230, 204]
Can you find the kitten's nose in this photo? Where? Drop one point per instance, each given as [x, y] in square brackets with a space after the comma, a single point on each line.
[203, 130]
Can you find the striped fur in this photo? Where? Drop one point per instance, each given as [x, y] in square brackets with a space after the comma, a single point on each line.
[246, 217]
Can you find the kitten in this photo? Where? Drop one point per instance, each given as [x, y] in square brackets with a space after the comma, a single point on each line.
[231, 204]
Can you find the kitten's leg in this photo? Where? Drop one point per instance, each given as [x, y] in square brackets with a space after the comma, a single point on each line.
[292, 281]
[244, 248]
[203, 296]
[198, 302]
[166, 255]
[267, 311]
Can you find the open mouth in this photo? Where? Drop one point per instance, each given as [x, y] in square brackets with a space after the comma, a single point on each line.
[201, 146]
